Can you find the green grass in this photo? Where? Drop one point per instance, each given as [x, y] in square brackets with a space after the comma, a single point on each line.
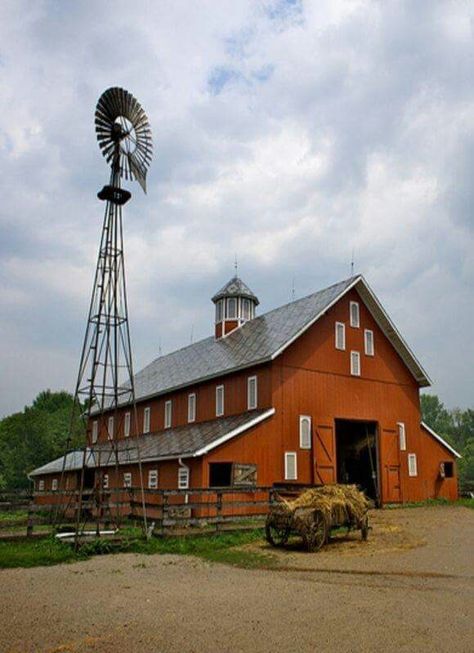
[225, 548]
[13, 516]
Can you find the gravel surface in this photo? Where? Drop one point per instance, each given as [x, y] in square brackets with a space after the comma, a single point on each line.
[410, 588]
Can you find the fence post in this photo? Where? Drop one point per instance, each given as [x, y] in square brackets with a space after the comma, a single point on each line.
[218, 511]
[164, 513]
[29, 525]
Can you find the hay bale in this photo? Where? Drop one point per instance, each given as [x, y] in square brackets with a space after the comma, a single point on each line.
[338, 503]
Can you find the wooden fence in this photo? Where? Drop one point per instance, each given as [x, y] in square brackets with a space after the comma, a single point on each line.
[170, 511]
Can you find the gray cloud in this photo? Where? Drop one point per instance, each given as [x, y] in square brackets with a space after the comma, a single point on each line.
[289, 133]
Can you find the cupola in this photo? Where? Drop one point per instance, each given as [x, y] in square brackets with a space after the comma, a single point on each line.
[235, 304]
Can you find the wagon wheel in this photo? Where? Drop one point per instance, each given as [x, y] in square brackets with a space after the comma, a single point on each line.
[276, 535]
[317, 532]
[364, 528]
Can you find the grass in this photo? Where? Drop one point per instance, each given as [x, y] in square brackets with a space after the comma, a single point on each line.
[13, 516]
[225, 548]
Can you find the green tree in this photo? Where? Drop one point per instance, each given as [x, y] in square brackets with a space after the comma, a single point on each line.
[37, 435]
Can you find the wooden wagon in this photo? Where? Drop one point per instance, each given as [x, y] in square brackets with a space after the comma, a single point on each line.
[315, 513]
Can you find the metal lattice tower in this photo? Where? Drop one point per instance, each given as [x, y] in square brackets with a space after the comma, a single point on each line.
[105, 378]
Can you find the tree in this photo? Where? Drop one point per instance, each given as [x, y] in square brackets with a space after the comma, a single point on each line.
[37, 435]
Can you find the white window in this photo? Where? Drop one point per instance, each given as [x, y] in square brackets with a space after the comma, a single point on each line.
[127, 479]
[355, 363]
[340, 335]
[153, 479]
[219, 400]
[126, 425]
[146, 420]
[246, 309]
[305, 432]
[354, 314]
[192, 407]
[95, 431]
[110, 428]
[54, 484]
[291, 472]
[412, 466]
[252, 398]
[183, 478]
[369, 342]
[219, 311]
[41, 486]
[402, 438]
[231, 308]
[168, 413]
[105, 481]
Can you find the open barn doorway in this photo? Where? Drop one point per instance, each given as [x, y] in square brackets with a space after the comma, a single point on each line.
[357, 456]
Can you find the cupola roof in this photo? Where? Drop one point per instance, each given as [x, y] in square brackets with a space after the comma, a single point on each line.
[235, 288]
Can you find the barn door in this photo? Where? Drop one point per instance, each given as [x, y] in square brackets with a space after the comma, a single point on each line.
[391, 493]
[324, 460]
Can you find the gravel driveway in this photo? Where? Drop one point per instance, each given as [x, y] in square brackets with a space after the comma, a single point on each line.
[410, 588]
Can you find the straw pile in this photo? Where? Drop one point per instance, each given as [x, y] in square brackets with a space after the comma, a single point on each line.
[339, 503]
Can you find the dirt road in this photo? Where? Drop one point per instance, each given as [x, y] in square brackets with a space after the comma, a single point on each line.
[410, 588]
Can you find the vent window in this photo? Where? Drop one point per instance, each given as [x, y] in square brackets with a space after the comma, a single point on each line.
[168, 413]
[369, 342]
[54, 484]
[354, 314]
[110, 428]
[153, 479]
[192, 407]
[355, 363]
[291, 473]
[183, 478]
[305, 432]
[127, 479]
[231, 308]
[252, 399]
[146, 420]
[340, 335]
[105, 481]
[402, 437]
[219, 400]
[95, 431]
[412, 465]
[126, 425]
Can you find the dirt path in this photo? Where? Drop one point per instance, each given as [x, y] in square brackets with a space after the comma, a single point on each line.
[410, 588]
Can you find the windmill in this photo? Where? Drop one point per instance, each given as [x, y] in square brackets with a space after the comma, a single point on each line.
[105, 378]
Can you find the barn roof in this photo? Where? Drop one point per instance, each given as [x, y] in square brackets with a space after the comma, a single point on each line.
[261, 340]
[190, 440]
[440, 440]
[235, 288]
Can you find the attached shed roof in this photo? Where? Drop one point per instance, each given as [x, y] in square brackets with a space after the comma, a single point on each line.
[190, 440]
[261, 340]
[440, 439]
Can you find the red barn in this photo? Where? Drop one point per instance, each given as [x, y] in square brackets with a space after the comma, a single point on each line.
[321, 390]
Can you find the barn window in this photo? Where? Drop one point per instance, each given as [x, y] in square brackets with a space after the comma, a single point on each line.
[305, 432]
[354, 314]
[41, 485]
[54, 484]
[192, 407]
[412, 465]
[183, 478]
[291, 472]
[402, 436]
[110, 428]
[369, 342]
[446, 469]
[252, 392]
[355, 363]
[146, 420]
[153, 479]
[127, 479]
[126, 425]
[231, 308]
[168, 413]
[246, 309]
[105, 481]
[95, 431]
[220, 474]
[219, 400]
[340, 333]
[219, 311]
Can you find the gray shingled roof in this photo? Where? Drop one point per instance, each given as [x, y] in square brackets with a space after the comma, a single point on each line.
[254, 342]
[182, 441]
[235, 288]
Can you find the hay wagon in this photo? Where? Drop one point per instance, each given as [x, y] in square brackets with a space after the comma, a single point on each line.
[315, 513]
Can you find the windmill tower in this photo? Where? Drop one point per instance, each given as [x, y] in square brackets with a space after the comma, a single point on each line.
[105, 378]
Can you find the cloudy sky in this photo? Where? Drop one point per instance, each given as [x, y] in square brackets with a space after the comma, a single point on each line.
[289, 133]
